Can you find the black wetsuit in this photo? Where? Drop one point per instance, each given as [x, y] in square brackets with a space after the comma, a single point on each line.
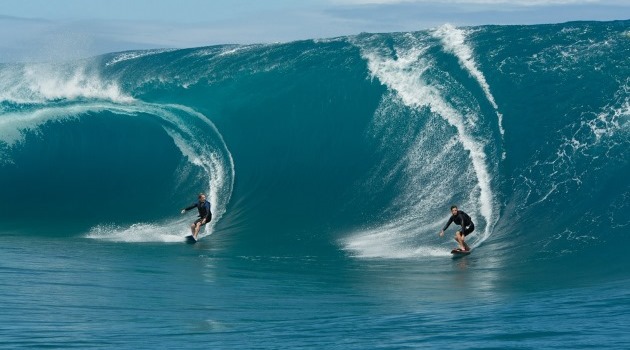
[204, 211]
[462, 219]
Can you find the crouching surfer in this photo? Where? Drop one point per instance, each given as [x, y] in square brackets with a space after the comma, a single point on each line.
[462, 219]
[205, 215]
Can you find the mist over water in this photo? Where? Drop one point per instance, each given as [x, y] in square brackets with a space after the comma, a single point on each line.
[330, 166]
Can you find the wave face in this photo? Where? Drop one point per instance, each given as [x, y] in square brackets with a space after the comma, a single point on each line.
[357, 144]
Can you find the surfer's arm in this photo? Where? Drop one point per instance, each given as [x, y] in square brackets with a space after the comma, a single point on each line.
[447, 225]
[450, 220]
[194, 205]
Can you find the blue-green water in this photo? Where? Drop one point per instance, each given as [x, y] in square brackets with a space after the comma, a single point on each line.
[330, 165]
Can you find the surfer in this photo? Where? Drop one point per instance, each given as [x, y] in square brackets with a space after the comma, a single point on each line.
[205, 215]
[462, 219]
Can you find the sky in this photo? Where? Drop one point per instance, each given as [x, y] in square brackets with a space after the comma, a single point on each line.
[36, 30]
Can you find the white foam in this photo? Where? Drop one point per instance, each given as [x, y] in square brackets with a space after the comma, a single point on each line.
[405, 77]
[140, 232]
[39, 83]
[238, 49]
[454, 41]
[211, 163]
[613, 117]
[402, 72]
[362, 246]
[591, 139]
[385, 242]
[132, 55]
[226, 50]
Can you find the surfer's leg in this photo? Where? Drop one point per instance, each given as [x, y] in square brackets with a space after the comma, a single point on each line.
[459, 237]
[465, 245]
[196, 230]
[466, 232]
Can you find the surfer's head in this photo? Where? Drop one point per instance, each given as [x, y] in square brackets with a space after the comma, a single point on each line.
[202, 197]
[454, 209]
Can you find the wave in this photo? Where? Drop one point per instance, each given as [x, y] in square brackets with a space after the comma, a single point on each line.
[41, 83]
[196, 137]
[357, 143]
[454, 41]
[404, 67]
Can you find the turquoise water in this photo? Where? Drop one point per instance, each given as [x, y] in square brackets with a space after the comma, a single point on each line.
[330, 165]
[74, 293]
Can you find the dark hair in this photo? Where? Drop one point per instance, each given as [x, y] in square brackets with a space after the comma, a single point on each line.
[453, 207]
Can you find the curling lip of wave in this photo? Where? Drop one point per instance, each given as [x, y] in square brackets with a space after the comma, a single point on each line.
[41, 83]
[73, 96]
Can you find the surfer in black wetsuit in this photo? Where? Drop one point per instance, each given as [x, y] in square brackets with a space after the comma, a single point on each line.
[462, 219]
[205, 215]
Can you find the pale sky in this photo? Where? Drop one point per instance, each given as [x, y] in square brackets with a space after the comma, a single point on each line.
[62, 29]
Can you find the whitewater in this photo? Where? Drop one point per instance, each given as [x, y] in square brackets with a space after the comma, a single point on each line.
[331, 165]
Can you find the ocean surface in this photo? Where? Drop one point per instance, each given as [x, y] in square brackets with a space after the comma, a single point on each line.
[330, 165]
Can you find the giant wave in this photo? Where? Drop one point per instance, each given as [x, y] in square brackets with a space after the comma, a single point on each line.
[355, 144]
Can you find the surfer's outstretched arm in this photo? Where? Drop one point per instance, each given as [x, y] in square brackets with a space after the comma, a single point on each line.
[450, 220]
[194, 205]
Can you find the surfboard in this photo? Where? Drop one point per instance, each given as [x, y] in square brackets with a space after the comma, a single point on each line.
[457, 253]
[190, 239]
